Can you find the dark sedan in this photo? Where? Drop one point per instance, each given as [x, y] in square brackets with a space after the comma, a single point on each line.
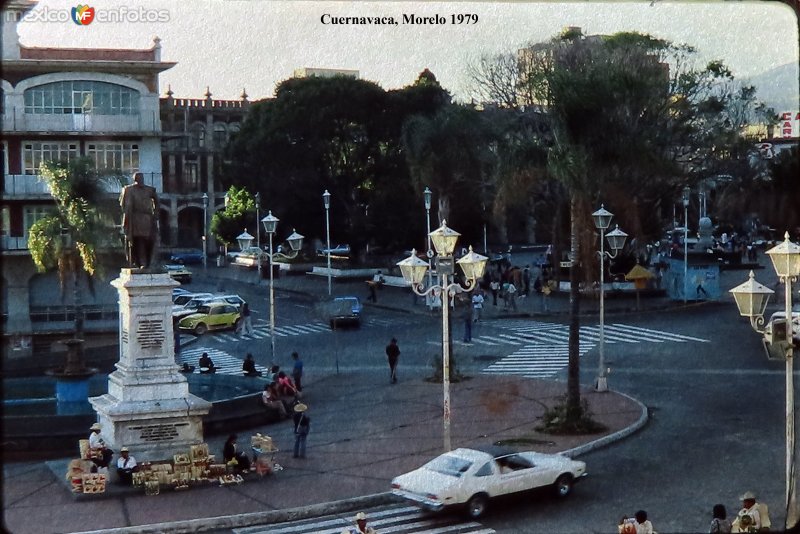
[188, 257]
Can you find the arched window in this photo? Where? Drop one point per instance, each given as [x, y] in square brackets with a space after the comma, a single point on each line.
[81, 96]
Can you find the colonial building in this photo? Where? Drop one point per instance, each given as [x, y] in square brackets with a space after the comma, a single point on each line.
[60, 104]
[195, 133]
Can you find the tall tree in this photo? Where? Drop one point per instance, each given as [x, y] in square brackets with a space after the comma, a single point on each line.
[70, 239]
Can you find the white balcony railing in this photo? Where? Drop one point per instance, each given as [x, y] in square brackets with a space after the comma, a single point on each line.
[29, 185]
[82, 122]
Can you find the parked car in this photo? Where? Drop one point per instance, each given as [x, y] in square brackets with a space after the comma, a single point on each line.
[211, 316]
[191, 306]
[345, 310]
[236, 300]
[182, 299]
[472, 476]
[179, 273]
[178, 291]
[337, 250]
[249, 251]
[187, 257]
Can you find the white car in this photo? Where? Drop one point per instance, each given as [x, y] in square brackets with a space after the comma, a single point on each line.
[471, 477]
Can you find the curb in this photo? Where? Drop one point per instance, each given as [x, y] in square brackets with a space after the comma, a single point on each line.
[335, 507]
[614, 437]
[255, 518]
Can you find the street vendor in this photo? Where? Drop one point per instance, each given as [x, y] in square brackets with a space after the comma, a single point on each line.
[126, 466]
[101, 455]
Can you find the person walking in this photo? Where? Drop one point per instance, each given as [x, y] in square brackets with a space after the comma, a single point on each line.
[526, 280]
[494, 285]
[302, 425]
[246, 322]
[477, 305]
[468, 311]
[393, 354]
[511, 296]
[297, 371]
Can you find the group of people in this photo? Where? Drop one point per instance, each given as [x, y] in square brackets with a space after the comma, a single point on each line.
[284, 391]
[101, 456]
[753, 517]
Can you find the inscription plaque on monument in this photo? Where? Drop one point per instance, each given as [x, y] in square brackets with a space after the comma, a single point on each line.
[155, 433]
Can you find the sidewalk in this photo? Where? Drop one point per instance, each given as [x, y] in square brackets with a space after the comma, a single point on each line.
[359, 441]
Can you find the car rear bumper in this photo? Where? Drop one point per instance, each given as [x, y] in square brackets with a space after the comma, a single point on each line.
[419, 500]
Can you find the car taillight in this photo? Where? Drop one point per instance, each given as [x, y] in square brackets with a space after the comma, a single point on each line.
[395, 485]
[432, 497]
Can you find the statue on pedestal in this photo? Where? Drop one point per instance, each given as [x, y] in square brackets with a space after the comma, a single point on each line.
[139, 221]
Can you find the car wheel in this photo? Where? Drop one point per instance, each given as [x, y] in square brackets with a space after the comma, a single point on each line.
[476, 506]
[200, 329]
[563, 486]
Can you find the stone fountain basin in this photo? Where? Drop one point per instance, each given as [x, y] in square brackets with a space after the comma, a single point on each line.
[36, 426]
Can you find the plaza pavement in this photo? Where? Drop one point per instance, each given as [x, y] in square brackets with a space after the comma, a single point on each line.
[363, 433]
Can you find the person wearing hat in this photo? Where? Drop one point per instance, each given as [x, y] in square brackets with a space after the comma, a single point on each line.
[753, 517]
[101, 455]
[126, 466]
[233, 457]
[361, 526]
[302, 424]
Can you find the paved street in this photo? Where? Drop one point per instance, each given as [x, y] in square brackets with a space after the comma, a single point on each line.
[716, 427]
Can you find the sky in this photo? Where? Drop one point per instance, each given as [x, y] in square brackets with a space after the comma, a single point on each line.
[228, 45]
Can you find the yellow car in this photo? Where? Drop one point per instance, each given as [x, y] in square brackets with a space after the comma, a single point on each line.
[211, 316]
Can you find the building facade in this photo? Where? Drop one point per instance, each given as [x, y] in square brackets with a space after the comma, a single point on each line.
[60, 104]
[195, 133]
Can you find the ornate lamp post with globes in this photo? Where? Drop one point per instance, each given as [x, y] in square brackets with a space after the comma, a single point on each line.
[295, 241]
[616, 240]
[413, 269]
[205, 231]
[751, 299]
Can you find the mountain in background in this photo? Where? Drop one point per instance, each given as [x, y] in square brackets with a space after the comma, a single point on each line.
[777, 87]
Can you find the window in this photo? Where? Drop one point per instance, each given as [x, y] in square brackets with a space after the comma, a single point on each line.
[36, 153]
[123, 157]
[82, 96]
[220, 136]
[485, 470]
[34, 213]
[198, 136]
[191, 175]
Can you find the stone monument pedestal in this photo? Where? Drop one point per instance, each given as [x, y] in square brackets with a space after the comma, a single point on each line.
[148, 407]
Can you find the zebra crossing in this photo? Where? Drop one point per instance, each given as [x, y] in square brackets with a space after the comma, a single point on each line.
[544, 347]
[225, 363]
[261, 330]
[396, 519]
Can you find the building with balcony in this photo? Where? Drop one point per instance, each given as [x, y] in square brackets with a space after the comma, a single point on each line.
[59, 104]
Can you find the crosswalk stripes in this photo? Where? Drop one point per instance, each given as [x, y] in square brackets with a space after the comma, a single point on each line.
[225, 363]
[396, 519]
[261, 330]
[545, 346]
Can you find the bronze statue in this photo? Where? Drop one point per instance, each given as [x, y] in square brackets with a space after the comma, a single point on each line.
[139, 221]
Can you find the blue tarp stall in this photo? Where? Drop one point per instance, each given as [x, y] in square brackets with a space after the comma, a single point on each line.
[702, 278]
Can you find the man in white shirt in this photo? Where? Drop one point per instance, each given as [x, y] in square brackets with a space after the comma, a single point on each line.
[757, 513]
[477, 304]
[101, 455]
[126, 466]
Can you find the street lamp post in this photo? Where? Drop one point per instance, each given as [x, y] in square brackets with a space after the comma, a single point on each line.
[427, 194]
[295, 240]
[258, 231]
[413, 269]
[686, 192]
[751, 299]
[326, 200]
[616, 240]
[205, 231]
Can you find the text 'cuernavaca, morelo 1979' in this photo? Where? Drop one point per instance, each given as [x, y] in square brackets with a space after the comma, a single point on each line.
[408, 18]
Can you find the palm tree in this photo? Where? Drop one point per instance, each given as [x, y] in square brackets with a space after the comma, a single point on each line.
[68, 240]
